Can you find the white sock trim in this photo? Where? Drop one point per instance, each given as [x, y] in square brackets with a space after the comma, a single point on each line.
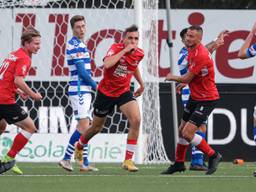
[26, 134]
[131, 147]
[183, 141]
[196, 140]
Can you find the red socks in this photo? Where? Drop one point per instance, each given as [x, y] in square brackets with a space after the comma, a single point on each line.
[181, 152]
[205, 148]
[130, 148]
[81, 143]
[19, 142]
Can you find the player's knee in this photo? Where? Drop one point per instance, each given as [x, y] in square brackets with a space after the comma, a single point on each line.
[186, 134]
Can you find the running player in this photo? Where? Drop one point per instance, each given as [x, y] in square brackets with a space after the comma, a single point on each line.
[203, 98]
[12, 73]
[120, 64]
[197, 157]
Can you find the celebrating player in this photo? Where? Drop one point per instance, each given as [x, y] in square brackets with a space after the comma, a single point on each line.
[120, 64]
[203, 98]
[197, 157]
[247, 51]
[81, 85]
[12, 73]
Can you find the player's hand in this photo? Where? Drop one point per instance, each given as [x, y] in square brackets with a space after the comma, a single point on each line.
[139, 91]
[130, 48]
[220, 40]
[24, 96]
[169, 77]
[179, 87]
[37, 96]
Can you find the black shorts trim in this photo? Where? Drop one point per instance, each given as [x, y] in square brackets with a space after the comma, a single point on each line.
[104, 105]
[12, 113]
[197, 112]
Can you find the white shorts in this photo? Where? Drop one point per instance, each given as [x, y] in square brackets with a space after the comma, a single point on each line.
[81, 105]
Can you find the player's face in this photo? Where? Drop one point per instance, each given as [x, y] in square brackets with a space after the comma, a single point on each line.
[193, 37]
[131, 38]
[34, 45]
[79, 29]
[184, 41]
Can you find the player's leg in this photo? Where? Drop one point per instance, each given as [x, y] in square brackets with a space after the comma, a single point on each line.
[200, 115]
[102, 106]
[4, 166]
[180, 153]
[3, 126]
[197, 156]
[14, 114]
[81, 107]
[132, 112]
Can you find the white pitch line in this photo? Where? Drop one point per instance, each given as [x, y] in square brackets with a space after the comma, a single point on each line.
[162, 176]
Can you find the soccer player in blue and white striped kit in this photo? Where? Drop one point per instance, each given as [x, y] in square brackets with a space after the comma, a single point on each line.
[80, 90]
[197, 157]
[247, 51]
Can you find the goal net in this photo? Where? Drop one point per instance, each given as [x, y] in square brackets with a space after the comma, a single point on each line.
[105, 22]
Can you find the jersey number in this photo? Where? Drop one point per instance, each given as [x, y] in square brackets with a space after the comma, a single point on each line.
[3, 68]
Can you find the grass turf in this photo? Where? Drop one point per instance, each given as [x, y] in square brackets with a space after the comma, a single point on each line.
[49, 177]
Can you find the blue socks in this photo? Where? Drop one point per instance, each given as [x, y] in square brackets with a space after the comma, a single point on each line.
[71, 148]
[197, 157]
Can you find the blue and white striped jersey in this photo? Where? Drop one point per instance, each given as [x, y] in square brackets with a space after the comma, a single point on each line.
[251, 51]
[77, 52]
[183, 67]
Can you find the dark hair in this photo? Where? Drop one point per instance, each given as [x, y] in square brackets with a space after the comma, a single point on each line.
[28, 35]
[132, 28]
[196, 27]
[76, 18]
[183, 33]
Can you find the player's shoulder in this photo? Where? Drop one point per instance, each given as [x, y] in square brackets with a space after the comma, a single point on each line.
[74, 42]
[140, 52]
[183, 51]
[201, 51]
[19, 54]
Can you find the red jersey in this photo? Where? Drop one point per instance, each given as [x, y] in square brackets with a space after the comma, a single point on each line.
[17, 64]
[202, 86]
[116, 80]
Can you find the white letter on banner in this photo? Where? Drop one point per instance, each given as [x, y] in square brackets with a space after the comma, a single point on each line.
[244, 136]
[233, 127]
[57, 118]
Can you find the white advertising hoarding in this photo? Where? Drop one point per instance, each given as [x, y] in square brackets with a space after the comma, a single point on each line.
[104, 26]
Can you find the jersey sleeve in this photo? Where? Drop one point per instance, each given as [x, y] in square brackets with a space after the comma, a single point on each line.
[251, 51]
[112, 51]
[22, 67]
[183, 64]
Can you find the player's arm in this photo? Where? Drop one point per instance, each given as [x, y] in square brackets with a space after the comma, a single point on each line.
[110, 61]
[138, 77]
[84, 75]
[22, 94]
[180, 79]
[21, 84]
[245, 52]
[219, 41]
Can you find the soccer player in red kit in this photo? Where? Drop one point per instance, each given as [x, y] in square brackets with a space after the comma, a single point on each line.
[12, 73]
[120, 64]
[203, 99]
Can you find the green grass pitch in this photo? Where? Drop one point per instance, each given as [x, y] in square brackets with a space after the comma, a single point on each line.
[49, 177]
